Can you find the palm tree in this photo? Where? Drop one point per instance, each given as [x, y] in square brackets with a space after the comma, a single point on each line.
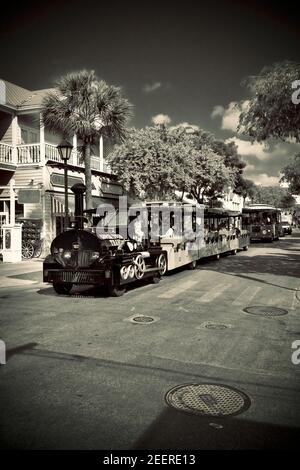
[82, 104]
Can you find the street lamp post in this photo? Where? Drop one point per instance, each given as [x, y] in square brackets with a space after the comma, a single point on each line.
[65, 151]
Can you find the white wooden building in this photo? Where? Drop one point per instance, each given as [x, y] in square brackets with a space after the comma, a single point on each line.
[29, 157]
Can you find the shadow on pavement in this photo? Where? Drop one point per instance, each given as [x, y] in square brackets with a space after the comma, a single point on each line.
[32, 276]
[92, 291]
[20, 349]
[247, 266]
[178, 430]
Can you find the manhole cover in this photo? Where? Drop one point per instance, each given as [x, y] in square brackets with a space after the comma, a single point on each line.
[209, 325]
[143, 319]
[266, 311]
[215, 326]
[208, 399]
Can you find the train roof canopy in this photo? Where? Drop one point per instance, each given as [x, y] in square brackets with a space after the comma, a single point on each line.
[260, 207]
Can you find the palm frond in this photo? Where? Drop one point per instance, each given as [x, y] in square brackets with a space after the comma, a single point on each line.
[84, 105]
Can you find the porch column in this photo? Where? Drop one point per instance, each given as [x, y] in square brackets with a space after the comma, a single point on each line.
[14, 138]
[42, 141]
[101, 153]
[74, 151]
[12, 218]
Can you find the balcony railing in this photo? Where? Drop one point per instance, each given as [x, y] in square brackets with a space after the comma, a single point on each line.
[6, 153]
[39, 154]
[29, 154]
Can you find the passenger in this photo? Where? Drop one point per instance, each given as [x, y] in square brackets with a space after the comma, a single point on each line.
[138, 234]
[222, 229]
[170, 232]
[103, 222]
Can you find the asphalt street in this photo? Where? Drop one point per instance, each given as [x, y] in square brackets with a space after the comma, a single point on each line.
[80, 374]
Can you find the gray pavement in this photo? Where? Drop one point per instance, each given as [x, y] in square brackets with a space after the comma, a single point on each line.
[80, 374]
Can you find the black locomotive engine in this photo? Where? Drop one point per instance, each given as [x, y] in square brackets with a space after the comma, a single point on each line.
[81, 256]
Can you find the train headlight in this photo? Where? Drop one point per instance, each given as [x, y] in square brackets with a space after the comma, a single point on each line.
[264, 232]
[95, 255]
[269, 230]
[67, 254]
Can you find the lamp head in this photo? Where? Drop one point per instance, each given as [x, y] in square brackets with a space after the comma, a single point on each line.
[65, 150]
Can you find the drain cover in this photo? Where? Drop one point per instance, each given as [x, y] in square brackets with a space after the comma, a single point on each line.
[216, 326]
[266, 311]
[209, 325]
[208, 399]
[143, 319]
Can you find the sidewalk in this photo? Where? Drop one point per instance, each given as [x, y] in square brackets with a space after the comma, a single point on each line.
[15, 274]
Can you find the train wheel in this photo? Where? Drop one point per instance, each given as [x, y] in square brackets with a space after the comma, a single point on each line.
[246, 248]
[233, 252]
[130, 271]
[193, 265]
[139, 267]
[217, 257]
[117, 291]
[62, 289]
[124, 271]
[162, 264]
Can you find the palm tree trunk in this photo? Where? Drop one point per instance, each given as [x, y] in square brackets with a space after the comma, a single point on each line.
[88, 175]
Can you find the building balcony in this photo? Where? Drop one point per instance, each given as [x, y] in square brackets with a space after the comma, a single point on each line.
[39, 154]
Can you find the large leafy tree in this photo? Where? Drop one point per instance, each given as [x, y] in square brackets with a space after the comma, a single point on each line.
[270, 195]
[155, 162]
[150, 166]
[287, 201]
[228, 151]
[82, 104]
[291, 174]
[272, 112]
[245, 187]
[210, 175]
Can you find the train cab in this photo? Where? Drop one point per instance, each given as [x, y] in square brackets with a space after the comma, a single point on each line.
[99, 256]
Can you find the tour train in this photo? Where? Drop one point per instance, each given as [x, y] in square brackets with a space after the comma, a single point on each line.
[159, 237]
[262, 222]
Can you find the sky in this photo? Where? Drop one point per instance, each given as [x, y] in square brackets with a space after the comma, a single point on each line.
[177, 62]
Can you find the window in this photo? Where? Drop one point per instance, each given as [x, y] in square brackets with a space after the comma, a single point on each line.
[29, 136]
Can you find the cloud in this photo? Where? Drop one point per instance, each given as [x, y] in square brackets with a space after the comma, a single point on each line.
[264, 163]
[150, 87]
[161, 119]
[258, 150]
[230, 115]
[217, 111]
[190, 128]
[265, 180]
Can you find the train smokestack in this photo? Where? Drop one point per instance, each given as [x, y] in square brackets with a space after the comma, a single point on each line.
[79, 190]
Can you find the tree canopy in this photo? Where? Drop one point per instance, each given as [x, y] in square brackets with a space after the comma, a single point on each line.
[273, 196]
[272, 112]
[291, 174]
[155, 162]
